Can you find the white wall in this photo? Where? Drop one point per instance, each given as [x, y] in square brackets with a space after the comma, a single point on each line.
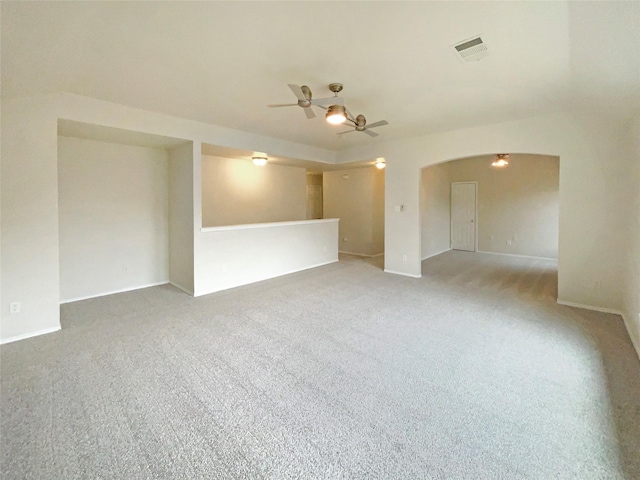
[592, 202]
[113, 217]
[236, 192]
[227, 257]
[29, 202]
[355, 197]
[631, 279]
[517, 204]
[435, 210]
[181, 217]
[594, 193]
[30, 273]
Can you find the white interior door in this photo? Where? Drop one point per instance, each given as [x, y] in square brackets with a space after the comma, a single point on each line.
[463, 216]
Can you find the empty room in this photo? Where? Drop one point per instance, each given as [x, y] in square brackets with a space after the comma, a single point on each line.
[320, 240]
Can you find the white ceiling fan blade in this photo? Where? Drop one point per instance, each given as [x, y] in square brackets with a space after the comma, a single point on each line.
[378, 124]
[327, 101]
[342, 133]
[283, 105]
[370, 133]
[297, 91]
[350, 117]
[309, 113]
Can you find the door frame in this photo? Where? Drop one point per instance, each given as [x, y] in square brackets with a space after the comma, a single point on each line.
[475, 220]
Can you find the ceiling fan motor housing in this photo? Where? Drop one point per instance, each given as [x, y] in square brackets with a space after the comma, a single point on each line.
[307, 93]
[361, 121]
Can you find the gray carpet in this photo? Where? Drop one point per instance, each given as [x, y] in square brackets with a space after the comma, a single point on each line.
[472, 372]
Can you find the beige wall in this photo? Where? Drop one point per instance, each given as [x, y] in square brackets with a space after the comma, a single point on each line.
[236, 192]
[378, 211]
[517, 204]
[356, 197]
[631, 229]
[435, 210]
[113, 217]
[181, 217]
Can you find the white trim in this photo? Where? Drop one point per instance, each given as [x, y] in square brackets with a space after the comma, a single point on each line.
[361, 254]
[267, 225]
[436, 254]
[128, 289]
[404, 274]
[634, 339]
[251, 282]
[590, 307]
[180, 287]
[24, 336]
[520, 256]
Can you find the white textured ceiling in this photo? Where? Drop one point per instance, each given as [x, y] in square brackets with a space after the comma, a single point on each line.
[223, 62]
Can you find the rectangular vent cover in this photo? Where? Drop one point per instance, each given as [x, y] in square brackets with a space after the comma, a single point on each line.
[471, 49]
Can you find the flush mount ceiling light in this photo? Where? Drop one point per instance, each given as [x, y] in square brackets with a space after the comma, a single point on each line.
[501, 161]
[380, 163]
[336, 114]
[260, 161]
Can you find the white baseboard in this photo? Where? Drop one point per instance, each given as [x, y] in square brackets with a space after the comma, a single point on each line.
[104, 294]
[180, 287]
[404, 274]
[590, 307]
[361, 254]
[436, 254]
[549, 259]
[633, 334]
[24, 336]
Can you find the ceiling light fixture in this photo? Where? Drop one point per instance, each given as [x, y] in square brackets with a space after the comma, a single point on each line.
[501, 161]
[260, 161]
[380, 163]
[336, 114]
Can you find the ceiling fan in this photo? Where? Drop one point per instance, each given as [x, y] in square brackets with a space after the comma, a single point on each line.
[305, 100]
[360, 125]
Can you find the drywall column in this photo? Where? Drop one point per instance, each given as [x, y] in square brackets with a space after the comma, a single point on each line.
[30, 274]
[181, 217]
[631, 292]
[435, 210]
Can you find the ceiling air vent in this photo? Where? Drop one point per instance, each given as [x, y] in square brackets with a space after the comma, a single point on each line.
[471, 49]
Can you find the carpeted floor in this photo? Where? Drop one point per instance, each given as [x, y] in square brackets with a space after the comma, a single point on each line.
[343, 371]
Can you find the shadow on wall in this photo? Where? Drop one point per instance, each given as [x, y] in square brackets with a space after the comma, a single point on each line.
[356, 197]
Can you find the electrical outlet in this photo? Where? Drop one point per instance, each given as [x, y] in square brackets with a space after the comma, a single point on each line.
[509, 242]
[15, 307]
[404, 258]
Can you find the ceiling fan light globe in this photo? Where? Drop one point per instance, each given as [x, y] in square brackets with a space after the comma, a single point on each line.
[336, 115]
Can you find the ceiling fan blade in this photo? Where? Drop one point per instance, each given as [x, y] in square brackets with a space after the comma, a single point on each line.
[283, 105]
[370, 133]
[309, 113]
[350, 117]
[327, 101]
[297, 91]
[378, 124]
[342, 133]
